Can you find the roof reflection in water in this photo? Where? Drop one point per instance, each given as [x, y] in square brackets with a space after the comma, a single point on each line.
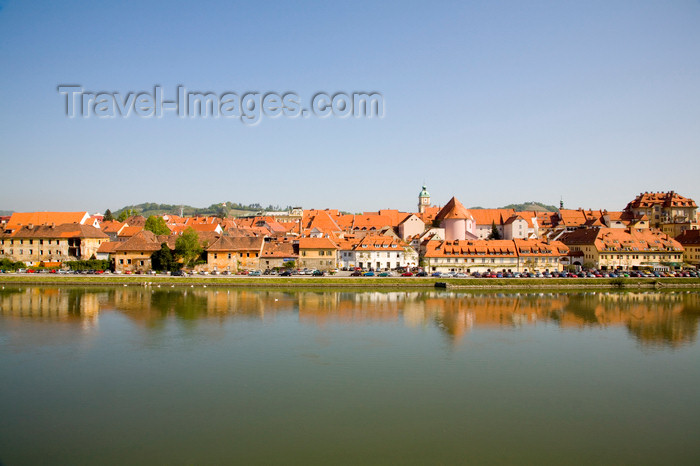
[665, 319]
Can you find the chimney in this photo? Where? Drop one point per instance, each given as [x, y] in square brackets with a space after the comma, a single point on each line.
[30, 226]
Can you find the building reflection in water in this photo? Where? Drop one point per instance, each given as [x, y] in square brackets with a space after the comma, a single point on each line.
[666, 319]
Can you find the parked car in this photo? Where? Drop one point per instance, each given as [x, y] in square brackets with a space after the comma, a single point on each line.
[384, 274]
[356, 273]
[286, 273]
[318, 273]
[368, 274]
[422, 274]
[407, 274]
[255, 273]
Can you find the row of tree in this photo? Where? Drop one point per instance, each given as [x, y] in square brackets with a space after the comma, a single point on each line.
[188, 253]
[221, 210]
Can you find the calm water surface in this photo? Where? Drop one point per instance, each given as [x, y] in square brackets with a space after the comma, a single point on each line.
[134, 375]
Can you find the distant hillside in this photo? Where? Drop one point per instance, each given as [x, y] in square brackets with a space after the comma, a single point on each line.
[536, 206]
[228, 209]
[6, 212]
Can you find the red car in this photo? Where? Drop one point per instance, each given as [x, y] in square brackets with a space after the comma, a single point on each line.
[407, 274]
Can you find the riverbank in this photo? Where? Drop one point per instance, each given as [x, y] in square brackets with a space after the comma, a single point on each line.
[352, 282]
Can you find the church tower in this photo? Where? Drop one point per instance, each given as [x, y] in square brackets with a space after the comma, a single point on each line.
[423, 200]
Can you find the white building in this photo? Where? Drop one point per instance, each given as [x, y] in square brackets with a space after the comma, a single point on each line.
[377, 252]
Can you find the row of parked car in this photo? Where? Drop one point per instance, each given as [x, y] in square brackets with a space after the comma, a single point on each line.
[546, 274]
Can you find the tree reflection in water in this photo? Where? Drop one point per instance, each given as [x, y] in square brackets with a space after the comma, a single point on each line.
[664, 319]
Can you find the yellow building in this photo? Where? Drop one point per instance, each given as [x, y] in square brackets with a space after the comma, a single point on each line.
[690, 239]
[521, 255]
[134, 254]
[614, 248]
[318, 253]
[670, 212]
[47, 243]
[232, 254]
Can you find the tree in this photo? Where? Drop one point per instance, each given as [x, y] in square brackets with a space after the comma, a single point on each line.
[494, 232]
[289, 265]
[163, 260]
[126, 213]
[222, 211]
[108, 217]
[156, 225]
[187, 247]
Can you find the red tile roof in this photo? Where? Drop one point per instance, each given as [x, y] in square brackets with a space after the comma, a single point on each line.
[316, 243]
[454, 210]
[46, 218]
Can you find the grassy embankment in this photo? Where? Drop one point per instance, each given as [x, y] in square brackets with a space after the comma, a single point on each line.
[365, 282]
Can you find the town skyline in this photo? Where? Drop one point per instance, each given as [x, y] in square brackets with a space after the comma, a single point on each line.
[286, 205]
[655, 230]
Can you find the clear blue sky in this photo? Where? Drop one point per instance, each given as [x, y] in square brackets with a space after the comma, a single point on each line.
[494, 102]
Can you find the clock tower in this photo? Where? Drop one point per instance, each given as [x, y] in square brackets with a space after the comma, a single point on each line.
[423, 200]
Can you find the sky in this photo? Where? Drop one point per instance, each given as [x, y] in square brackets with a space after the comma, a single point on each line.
[493, 102]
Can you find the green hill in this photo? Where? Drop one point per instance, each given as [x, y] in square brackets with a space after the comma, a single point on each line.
[536, 206]
[228, 209]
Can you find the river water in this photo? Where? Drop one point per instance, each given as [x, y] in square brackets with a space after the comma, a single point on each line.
[148, 375]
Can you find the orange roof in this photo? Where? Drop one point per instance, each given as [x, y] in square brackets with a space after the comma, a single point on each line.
[669, 199]
[238, 243]
[143, 241]
[379, 242]
[490, 216]
[454, 210]
[371, 222]
[206, 227]
[428, 215]
[618, 239]
[316, 243]
[128, 231]
[572, 218]
[535, 247]
[491, 248]
[65, 230]
[280, 250]
[111, 226]
[322, 221]
[109, 247]
[46, 218]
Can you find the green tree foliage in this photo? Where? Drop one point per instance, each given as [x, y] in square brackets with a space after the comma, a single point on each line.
[526, 206]
[108, 217]
[163, 260]
[289, 264]
[494, 232]
[126, 213]
[221, 209]
[7, 264]
[157, 225]
[187, 247]
[92, 264]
